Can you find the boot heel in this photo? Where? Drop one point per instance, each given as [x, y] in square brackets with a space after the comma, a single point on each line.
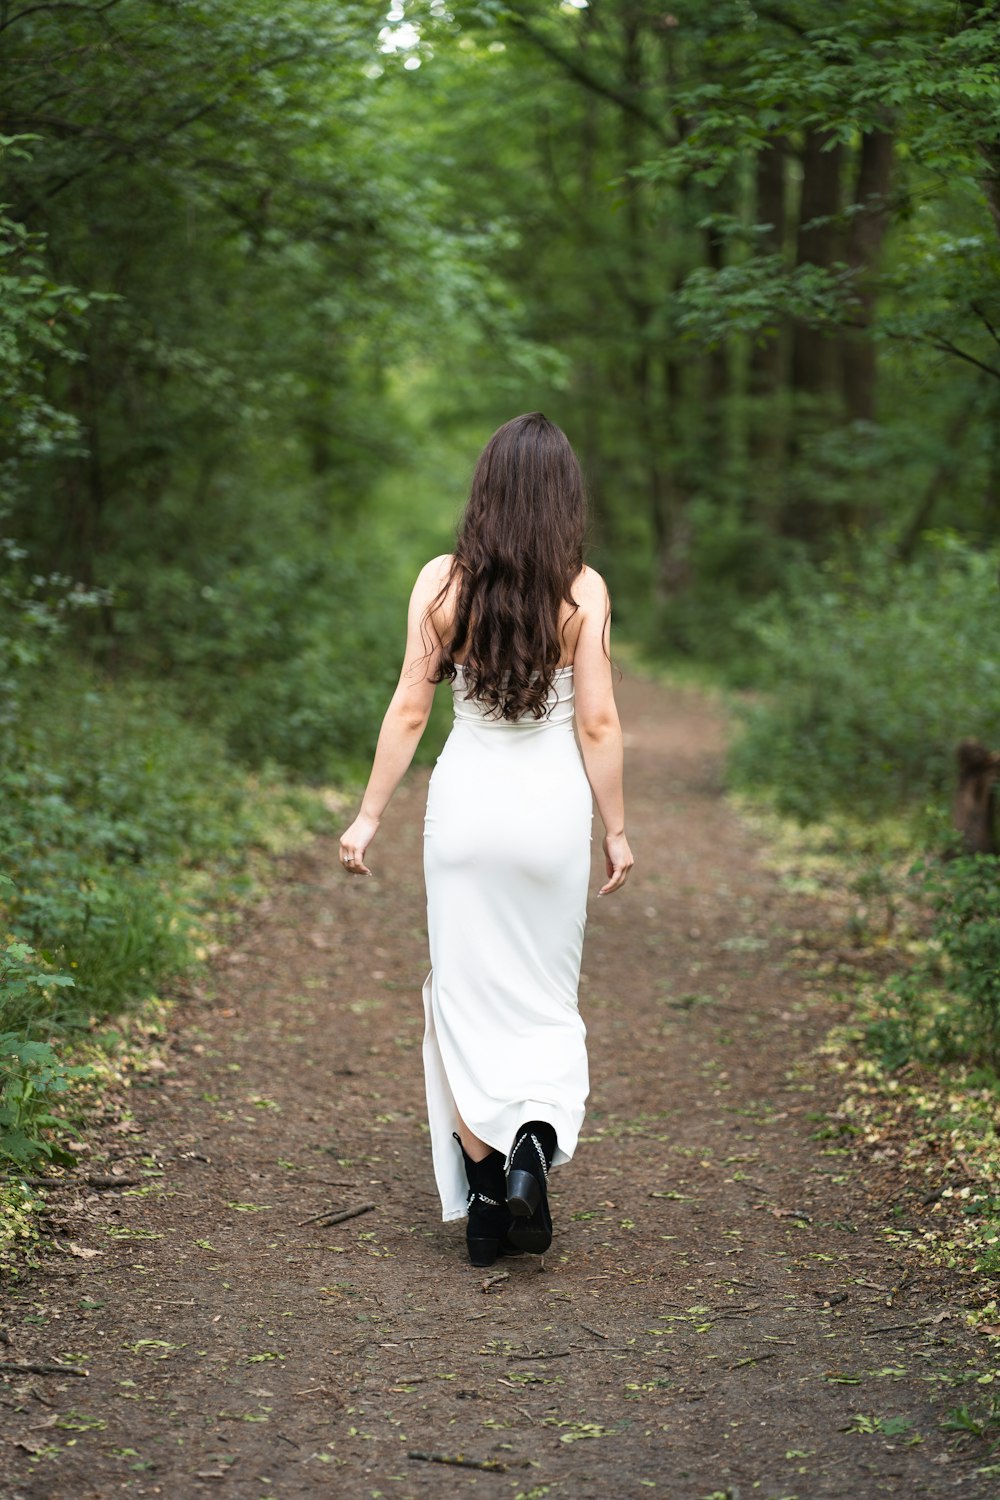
[482, 1252]
[523, 1194]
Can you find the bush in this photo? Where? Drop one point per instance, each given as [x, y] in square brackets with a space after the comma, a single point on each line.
[107, 798]
[31, 1073]
[869, 680]
[120, 821]
[947, 1008]
[291, 657]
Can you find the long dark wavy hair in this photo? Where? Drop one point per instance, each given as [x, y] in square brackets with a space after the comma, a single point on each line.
[518, 549]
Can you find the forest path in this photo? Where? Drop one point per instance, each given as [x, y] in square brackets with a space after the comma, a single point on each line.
[714, 1317]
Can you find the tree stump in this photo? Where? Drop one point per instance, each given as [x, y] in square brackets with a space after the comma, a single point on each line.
[973, 810]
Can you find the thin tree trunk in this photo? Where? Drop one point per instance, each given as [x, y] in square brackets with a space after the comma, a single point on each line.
[671, 526]
[815, 355]
[868, 226]
[716, 382]
[767, 360]
[815, 365]
[591, 439]
[655, 421]
[769, 211]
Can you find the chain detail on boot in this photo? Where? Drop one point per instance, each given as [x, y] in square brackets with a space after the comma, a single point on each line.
[529, 1136]
[527, 1175]
[489, 1219]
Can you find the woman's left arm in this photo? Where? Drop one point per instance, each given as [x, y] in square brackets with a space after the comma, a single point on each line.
[405, 718]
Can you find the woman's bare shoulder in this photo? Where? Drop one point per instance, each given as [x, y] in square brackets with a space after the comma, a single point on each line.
[440, 566]
[589, 588]
[434, 573]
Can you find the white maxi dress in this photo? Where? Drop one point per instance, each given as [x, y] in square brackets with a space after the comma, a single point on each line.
[507, 845]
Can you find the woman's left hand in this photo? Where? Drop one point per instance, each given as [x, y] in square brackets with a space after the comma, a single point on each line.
[617, 861]
[354, 844]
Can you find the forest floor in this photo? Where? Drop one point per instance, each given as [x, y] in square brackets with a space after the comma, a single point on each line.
[727, 1308]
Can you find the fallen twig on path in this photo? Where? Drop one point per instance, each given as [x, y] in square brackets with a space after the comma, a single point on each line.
[492, 1281]
[595, 1331]
[94, 1180]
[330, 1216]
[29, 1367]
[458, 1462]
[39, 1181]
[907, 1327]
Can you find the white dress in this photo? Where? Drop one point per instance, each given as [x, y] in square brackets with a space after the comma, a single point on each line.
[507, 840]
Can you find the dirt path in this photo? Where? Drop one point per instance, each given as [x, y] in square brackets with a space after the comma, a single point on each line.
[716, 1314]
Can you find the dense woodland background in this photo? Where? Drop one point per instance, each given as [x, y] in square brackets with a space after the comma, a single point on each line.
[270, 276]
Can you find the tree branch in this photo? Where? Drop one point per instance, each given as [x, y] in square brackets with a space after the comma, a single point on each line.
[942, 345]
[589, 80]
[984, 319]
[33, 10]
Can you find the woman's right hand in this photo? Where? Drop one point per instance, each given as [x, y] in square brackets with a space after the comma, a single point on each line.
[353, 843]
[617, 861]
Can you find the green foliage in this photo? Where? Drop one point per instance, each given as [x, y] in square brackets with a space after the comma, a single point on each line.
[292, 657]
[757, 296]
[29, 982]
[38, 321]
[869, 676]
[231, 179]
[119, 820]
[947, 1007]
[113, 796]
[32, 1074]
[981, 1420]
[123, 824]
[966, 896]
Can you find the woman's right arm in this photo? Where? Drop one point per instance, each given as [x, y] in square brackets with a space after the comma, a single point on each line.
[404, 721]
[598, 724]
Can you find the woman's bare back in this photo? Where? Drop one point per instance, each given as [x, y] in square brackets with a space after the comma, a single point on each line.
[443, 616]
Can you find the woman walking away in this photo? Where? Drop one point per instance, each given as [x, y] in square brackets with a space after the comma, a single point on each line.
[520, 626]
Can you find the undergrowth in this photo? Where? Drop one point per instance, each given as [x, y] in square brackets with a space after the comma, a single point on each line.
[130, 842]
[865, 676]
[909, 949]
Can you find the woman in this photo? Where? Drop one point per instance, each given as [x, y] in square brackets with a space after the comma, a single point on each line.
[521, 628]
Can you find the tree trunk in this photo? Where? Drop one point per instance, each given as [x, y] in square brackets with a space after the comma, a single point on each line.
[655, 409]
[973, 812]
[815, 355]
[816, 365]
[767, 359]
[716, 379]
[671, 526]
[868, 226]
[590, 381]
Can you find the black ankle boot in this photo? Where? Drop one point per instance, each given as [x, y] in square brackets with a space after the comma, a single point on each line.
[489, 1217]
[527, 1170]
